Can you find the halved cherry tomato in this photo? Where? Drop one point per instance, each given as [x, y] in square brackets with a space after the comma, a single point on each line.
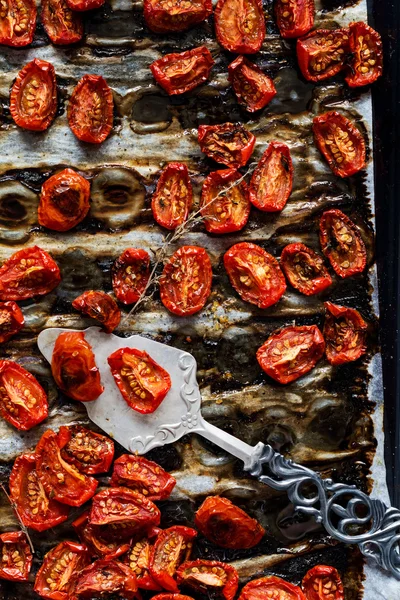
[89, 452]
[61, 566]
[27, 273]
[185, 283]
[167, 596]
[163, 16]
[367, 61]
[181, 72]
[142, 382]
[172, 547]
[345, 334]
[130, 275]
[33, 97]
[15, 556]
[342, 243]
[99, 306]
[23, 401]
[62, 25]
[106, 576]
[230, 144]
[323, 583]
[99, 540]
[294, 17]
[240, 26]
[173, 197]
[340, 142]
[272, 180]
[35, 508]
[255, 274]
[305, 269]
[11, 320]
[253, 88]
[82, 5]
[209, 575]
[74, 368]
[144, 476]
[291, 352]
[224, 211]
[64, 200]
[271, 587]
[138, 560]
[62, 481]
[321, 54]
[17, 22]
[90, 109]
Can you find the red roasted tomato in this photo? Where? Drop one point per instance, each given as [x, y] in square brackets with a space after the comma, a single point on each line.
[99, 306]
[144, 476]
[98, 539]
[106, 576]
[240, 26]
[74, 368]
[340, 142]
[183, 71]
[90, 109]
[342, 243]
[27, 273]
[11, 320]
[130, 275]
[186, 281]
[271, 587]
[209, 575]
[17, 22]
[294, 17]
[89, 452]
[323, 583]
[33, 97]
[172, 547]
[253, 88]
[62, 25]
[321, 54]
[138, 560]
[255, 274]
[345, 333]
[82, 5]
[366, 48]
[305, 269]
[291, 352]
[15, 556]
[224, 211]
[164, 16]
[230, 144]
[173, 197]
[142, 382]
[171, 597]
[64, 200]
[272, 180]
[23, 401]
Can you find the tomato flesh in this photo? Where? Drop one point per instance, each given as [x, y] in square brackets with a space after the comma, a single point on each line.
[11, 320]
[230, 144]
[138, 560]
[17, 22]
[130, 275]
[99, 306]
[272, 180]
[90, 109]
[294, 17]
[366, 48]
[224, 211]
[64, 201]
[345, 334]
[144, 476]
[62, 25]
[305, 269]
[240, 26]
[253, 88]
[164, 16]
[181, 72]
[321, 54]
[172, 547]
[167, 596]
[15, 556]
[100, 543]
[271, 587]
[209, 575]
[342, 243]
[82, 5]
[106, 576]
[323, 583]
[173, 197]
[89, 452]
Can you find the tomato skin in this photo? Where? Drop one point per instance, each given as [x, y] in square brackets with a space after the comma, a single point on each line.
[230, 144]
[15, 541]
[305, 269]
[253, 88]
[272, 180]
[98, 544]
[11, 320]
[165, 559]
[223, 576]
[138, 560]
[345, 334]
[64, 200]
[256, 589]
[320, 576]
[130, 275]
[321, 54]
[62, 25]
[164, 17]
[173, 197]
[82, 5]
[181, 72]
[366, 47]
[99, 306]
[342, 243]
[90, 109]
[294, 18]
[230, 211]
[144, 476]
[105, 576]
[17, 22]
[166, 596]
[240, 27]
[91, 453]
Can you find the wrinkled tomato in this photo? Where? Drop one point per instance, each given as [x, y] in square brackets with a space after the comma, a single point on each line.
[144, 476]
[230, 144]
[99, 540]
[209, 575]
[142, 382]
[342, 243]
[271, 587]
[90, 109]
[106, 576]
[15, 556]
[345, 333]
[74, 368]
[173, 197]
[294, 17]
[181, 72]
[130, 275]
[185, 283]
[89, 452]
[164, 16]
[253, 88]
[291, 352]
[167, 596]
[305, 269]
[99, 306]
[240, 26]
[323, 583]
[27, 273]
[11, 320]
[321, 54]
[82, 5]
[367, 61]
[255, 274]
[224, 211]
[62, 25]
[17, 22]
[172, 547]
[272, 180]
[23, 401]
[138, 560]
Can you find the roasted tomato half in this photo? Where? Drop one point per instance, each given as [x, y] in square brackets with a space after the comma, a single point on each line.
[367, 61]
[305, 269]
[230, 144]
[340, 142]
[23, 401]
[138, 560]
[106, 576]
[322, 53]
[294, 17]
[100, 541]
[173, 197]
[11, 320]
[74, 368]
[181, 72]
[227, 525]
[255, 274]
[271, 587]
[291, 352]
[172, 547]
[342, 243]
[62, 25]
[82, 5]
[17, 22]
[15, 556]
[323, 583]
[130, 275]
[33, 97]
[27, 273]
[61, 567]
[64, 200]
[225, 207]
[89, 452]
[186, 281]
[272, 180]
[209, 575]
[164, 16]
[345, 332]
[253, 88]
[240, 26]
[171, 597]
[99, 306]
[144, 476]
[142, 382]
[90, 109]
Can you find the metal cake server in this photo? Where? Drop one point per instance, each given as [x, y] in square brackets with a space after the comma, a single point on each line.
[348, 514]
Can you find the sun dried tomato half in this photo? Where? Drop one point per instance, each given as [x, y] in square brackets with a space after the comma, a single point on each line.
[253, 88]
[172, 547]
[62, 25]
[82, 5]
[11, 320]
[323, 583]
[167, 596]
[89, 452]
[15, 556]
[272, 180]
[181, 72]
[164, 16]
[100, 541]
[74, 368]
[305, 269]
[173, 197]
[345, 333]
[342, 243]
[271, 587]
[23, 401]
[294, 17]
[230, 144]
[99, 306]
[130, 275]
[185, 283]
[17, 22]
[138, 560]
[224, 211]
[321, 54]
[90, 109]
[106, 576]
[366, 48]
[209, 575]
[240, 26]
[144, 476]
